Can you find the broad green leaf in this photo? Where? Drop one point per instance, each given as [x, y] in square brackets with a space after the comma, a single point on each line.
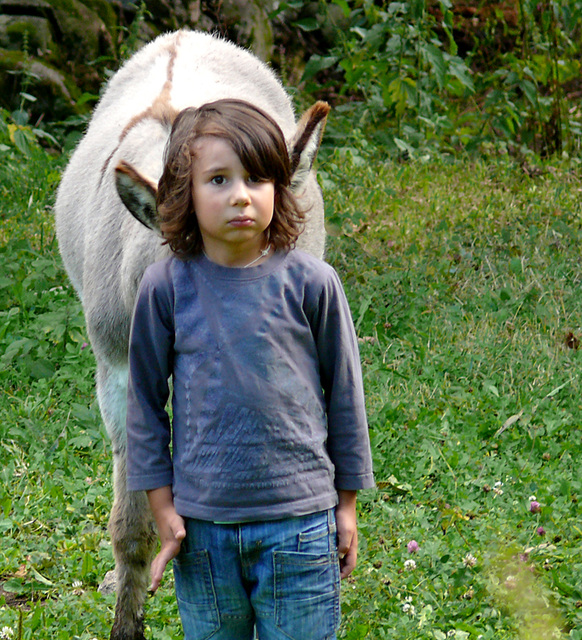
[408, 149]
[343, 5]
[15, 585]
[40, 368]
[307, 24]
[399, 92]
[6, 524]
[530, 91]
[458, 69]
[21, 346]
[28, 96]
[435, 56]
[316, 64]
[44, 581]
[21, 142]
[20, 117]
[359, 31]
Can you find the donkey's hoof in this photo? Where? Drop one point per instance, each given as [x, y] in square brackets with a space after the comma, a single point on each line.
[109, 583]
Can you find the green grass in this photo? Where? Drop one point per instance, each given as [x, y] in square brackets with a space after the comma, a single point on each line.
[466, 289]
[465, 285]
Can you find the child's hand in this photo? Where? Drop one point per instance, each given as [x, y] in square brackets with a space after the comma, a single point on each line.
[347, 532]
[171, 542]
[171, 529]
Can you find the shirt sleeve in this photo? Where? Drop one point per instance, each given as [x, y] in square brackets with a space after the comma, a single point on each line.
[149, 462]
[341, 379]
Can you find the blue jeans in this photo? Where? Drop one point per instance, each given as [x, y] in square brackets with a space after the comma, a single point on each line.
[280, 577]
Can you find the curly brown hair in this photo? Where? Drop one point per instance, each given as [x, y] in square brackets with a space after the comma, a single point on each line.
[259, 143]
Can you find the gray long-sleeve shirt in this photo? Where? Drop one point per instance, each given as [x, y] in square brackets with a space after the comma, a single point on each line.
[268, 405]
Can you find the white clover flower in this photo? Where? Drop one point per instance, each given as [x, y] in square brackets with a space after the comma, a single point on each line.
[6, 632]
[409, 565]
[532, 499]
[408, 608]
[469, 560]
[77, 584]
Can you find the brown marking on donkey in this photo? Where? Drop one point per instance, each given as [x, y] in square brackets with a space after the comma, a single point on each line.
[106, 251]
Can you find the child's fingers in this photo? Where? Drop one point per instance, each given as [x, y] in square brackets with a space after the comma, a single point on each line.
[348, 562]
[177, 527]
[158, 567]
[167, 552]
[348, 552]
[347, 537]
[157, 571]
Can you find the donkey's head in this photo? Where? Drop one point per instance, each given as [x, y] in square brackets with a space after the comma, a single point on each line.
[138, 192]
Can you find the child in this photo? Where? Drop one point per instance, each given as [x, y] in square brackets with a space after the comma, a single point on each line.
[256, 503]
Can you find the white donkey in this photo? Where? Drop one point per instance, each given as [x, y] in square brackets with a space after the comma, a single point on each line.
[105, 250]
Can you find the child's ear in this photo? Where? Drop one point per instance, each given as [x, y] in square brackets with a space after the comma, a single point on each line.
[306, 141]
[138, 194]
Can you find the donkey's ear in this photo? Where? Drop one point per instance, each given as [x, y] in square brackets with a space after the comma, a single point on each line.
[306, 142]
[138, 194]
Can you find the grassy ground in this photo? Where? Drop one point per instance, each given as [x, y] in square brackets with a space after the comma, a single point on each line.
[465, 285]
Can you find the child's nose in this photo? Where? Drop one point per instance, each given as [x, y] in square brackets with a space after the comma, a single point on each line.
[240, 194]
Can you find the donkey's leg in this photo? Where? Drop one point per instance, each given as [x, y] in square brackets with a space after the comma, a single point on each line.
[131, 524]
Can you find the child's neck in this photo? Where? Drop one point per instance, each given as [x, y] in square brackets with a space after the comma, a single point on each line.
[240, 261]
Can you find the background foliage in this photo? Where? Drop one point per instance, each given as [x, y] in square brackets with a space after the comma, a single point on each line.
[427, 77]
[445, 77]
[452, 184]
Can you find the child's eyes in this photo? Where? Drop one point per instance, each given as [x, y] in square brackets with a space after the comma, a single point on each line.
[220, 180]
[257, 180]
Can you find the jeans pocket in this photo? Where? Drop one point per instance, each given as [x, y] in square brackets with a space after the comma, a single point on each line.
[321, 538]
[307, 603]
[196, 595]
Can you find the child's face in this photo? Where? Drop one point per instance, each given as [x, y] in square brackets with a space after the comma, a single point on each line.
[233, 209]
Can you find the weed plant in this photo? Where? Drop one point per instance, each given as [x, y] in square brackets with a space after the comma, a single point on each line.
[406, 84]
[465, 287]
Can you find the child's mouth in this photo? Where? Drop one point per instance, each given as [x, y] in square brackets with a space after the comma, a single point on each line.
[241, 222]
